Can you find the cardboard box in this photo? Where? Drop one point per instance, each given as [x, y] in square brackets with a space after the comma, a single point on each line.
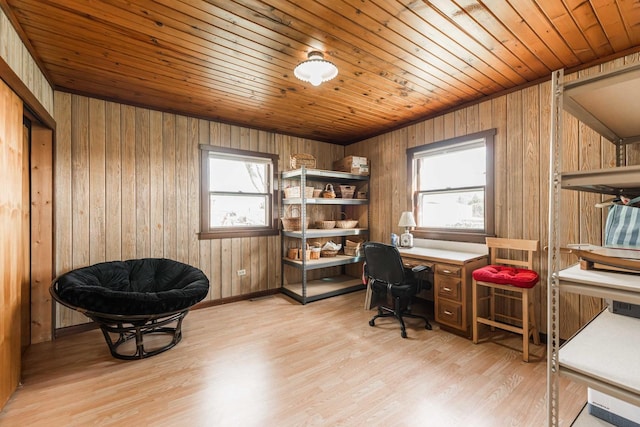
[612, 410]
[353, 164]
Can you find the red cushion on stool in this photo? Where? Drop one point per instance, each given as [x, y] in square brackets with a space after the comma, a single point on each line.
[503, 275]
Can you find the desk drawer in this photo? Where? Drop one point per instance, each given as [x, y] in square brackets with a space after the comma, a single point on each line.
[448, 270]
[449, 287]
[449, 313]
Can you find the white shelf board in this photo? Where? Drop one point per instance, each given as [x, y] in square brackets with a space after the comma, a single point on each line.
[601, 284]
[608, 102]
[605, 355]
[620, 180]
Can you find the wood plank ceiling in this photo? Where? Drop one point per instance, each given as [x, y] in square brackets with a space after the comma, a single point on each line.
[399, 60]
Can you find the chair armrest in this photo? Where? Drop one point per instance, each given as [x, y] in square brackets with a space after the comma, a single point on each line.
[418, 274]
[419, 268]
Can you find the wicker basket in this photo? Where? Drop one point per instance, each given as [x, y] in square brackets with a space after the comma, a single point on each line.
[294, 223]
[306, 254]
[298, 254]
[327, 253]
[325, 225]
[293, 192]
[346, 191]
[353, 243]
[347, 223]
[302, 159]
[352, 248]
[315, 253]
[352, 251]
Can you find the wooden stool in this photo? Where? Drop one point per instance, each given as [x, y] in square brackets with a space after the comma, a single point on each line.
[511, 279]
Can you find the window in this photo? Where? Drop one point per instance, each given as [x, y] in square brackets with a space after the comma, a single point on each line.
[452, 188]
[238, 194]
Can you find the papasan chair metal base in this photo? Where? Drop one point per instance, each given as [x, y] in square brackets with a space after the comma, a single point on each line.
[127, 328]
[134, 301]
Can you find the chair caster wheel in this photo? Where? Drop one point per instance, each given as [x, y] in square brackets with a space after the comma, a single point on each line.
[371, 323]
[404, 334]
[428, 326]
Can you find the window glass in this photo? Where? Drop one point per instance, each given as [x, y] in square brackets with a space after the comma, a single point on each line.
[454, 168]
[238, 193]
[249, 175]
[453, 188]
[457, 209]
[238, 210]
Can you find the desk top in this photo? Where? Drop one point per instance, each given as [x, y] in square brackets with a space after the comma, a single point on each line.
[440, 255]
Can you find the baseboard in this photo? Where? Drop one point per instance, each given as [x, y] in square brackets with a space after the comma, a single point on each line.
[249, 296]
[84, 327]
[75, 329]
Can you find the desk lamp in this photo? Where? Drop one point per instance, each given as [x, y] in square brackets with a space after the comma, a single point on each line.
[406, 221]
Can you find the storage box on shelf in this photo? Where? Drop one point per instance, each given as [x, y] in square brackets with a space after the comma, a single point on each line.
[352, 164]
[625, 309]
[309, 278]
[603, 355]
[614, 411]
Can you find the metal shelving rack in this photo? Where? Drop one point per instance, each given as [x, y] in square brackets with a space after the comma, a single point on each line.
[331, 285]
[600, 354]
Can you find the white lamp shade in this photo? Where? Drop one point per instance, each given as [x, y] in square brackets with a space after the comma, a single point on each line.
[407, 220]
[316, 69]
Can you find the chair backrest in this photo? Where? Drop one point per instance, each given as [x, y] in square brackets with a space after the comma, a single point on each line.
[529, 247]
[384, 263]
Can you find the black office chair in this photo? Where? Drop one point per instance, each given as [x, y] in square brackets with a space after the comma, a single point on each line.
[386, 273]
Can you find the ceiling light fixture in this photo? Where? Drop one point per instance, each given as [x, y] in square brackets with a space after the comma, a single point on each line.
[315, 69]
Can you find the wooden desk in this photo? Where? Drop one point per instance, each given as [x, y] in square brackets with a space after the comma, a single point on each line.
[451, 283]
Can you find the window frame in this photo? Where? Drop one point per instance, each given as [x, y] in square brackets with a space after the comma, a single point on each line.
[206, 232]
[463, 235]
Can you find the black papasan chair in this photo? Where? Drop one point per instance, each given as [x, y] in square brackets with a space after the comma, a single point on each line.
[132, 299]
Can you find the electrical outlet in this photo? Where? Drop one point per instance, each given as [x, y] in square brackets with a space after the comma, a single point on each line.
[242, 272]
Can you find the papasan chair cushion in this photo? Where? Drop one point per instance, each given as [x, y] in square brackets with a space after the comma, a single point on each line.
[134, 287]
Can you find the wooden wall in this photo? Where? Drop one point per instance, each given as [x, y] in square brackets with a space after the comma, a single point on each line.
[16, 55]
[14, 247]
[41, 232]
[522, 120]
[128, 186]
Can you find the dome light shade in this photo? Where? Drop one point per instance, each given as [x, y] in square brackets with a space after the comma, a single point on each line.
[315, 69]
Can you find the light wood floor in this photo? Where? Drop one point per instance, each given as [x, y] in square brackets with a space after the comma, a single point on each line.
[274, 362]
